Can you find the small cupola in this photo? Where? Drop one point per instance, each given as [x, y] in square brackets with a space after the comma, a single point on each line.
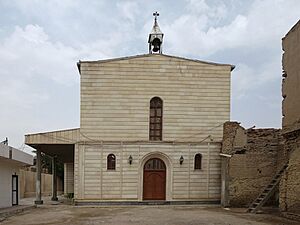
[155, 37]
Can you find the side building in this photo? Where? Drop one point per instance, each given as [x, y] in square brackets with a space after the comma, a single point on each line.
[290, 185]
[11, 160]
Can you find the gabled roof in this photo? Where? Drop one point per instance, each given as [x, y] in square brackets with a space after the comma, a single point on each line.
[153, 55]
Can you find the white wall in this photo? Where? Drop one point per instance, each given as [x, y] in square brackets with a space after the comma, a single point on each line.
[7, 169]
[16, 155]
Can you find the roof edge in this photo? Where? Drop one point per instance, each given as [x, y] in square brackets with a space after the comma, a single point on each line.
[292, 29]
[53, 131]
[148, 55]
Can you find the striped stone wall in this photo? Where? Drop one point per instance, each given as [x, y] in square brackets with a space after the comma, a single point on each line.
[94, 182]
[115, 96]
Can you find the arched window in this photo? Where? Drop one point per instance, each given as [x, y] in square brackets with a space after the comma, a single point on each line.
[111, 162]
[155, 122]
[154, 164]
[198, 162]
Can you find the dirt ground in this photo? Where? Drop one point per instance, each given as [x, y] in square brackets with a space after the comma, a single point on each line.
[147, 215]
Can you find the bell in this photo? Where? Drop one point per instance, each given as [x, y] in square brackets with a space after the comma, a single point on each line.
[155, 48]
[156, 45]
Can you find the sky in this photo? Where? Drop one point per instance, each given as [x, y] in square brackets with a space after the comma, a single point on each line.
[41, 42]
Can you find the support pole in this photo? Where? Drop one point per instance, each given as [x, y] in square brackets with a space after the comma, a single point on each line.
[54, 180]
[38, 186]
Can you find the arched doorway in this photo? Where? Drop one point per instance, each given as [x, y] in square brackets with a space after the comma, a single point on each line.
[154, 182]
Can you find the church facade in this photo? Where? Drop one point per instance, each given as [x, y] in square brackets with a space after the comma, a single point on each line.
[151, 128]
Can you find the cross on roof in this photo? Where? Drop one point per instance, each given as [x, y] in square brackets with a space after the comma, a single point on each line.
[155, 14]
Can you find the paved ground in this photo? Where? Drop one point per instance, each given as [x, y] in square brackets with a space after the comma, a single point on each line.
[146, 215]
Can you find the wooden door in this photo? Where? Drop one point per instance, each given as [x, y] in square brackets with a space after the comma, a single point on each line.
[154, 185]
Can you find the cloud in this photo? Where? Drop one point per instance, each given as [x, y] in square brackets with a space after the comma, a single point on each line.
[41, 41]
[40, 77]
[215, 12]
[128, 10]
[33, 69]
[31, 55]
[246, 79]
[249, 38]
[259, 27]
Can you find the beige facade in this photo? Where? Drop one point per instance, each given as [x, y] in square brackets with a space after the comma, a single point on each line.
[115, 98]
[115, 104]
[95, 182]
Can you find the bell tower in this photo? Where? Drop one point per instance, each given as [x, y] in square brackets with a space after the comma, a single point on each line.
[155, 37]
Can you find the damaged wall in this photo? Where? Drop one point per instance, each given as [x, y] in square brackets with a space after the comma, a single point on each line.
[290, 184]
[289, 198]
[255, 156]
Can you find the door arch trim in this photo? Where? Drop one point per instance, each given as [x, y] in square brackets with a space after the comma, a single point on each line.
[154, 183]
[169, 180]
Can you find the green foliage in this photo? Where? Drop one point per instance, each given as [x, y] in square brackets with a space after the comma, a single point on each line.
[46, 162]
[70, 195]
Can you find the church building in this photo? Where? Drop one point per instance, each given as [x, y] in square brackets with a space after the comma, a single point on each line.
[151, 128]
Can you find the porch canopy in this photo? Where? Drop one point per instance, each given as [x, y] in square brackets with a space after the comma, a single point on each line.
[57, 144]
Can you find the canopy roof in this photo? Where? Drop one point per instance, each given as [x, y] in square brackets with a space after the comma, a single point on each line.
[58, 143]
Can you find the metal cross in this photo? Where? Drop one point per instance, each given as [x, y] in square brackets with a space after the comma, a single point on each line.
[155, 14]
